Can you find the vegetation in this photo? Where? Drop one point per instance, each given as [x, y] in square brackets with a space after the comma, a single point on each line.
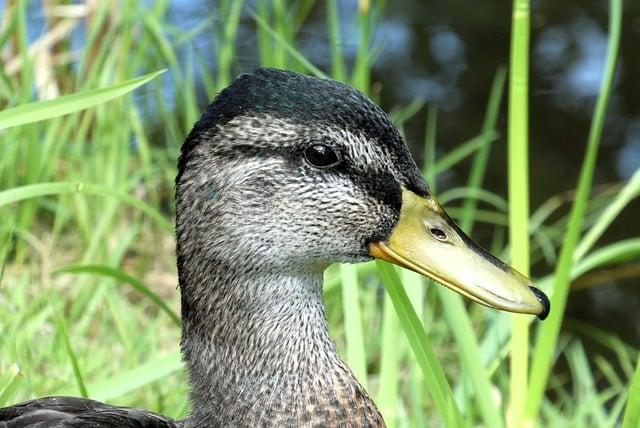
[88, 296]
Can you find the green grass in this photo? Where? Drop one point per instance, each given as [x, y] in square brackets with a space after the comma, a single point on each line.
[88, 297]
[548, 334]
[518, 179]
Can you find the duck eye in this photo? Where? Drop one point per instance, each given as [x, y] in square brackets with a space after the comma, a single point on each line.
[438, 234]
[320, 155]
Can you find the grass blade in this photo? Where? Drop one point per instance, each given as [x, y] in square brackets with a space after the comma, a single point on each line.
[361, 75]
[130, 380]
[469, 352]
[619, 252]
[333, 25]
[41, 110]
[287, 46]
[77, 374]
[479, 166]
[474, 193]
[454, 311]
[630, 191]
[632, 409]
[459, 153]
[453, 308]
[422, 349]
[550, 329]
[353, 322]
[416, 287]
[13, 378]
[47, 189]
[388, 392]
[519, 199]
[430, 166]
[122, 277]
[226, 50]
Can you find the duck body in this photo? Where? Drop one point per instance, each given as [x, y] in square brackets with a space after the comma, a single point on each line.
[283, 175]
[73, 412]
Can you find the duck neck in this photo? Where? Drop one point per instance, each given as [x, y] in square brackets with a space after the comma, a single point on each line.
[258, 351]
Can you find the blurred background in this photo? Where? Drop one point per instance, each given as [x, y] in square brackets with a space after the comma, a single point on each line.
[422, 58]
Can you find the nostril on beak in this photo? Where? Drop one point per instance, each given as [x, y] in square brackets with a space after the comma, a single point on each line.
[544, 301]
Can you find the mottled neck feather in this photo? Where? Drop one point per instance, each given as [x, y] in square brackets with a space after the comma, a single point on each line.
[259, 353]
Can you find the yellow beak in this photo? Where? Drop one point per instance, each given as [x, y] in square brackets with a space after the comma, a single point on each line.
[427, 241]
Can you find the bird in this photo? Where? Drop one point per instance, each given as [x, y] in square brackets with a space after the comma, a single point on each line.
[283, 175]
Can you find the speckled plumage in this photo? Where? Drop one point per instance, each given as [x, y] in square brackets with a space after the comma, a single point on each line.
[256, 227]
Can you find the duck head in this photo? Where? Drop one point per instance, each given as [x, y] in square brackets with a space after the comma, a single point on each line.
[288, 173]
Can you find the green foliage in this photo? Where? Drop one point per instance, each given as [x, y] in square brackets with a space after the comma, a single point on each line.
[518, 178]
[42, 110]
[422, 348]
[632, 411]
[123, 278]
[86, 182]
[548, 335]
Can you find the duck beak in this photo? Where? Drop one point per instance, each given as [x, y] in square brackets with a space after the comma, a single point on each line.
[427, 241]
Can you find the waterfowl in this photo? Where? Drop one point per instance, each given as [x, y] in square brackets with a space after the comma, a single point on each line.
[282, 175]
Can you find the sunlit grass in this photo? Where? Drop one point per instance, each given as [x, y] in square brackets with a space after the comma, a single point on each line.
[518, 179]
[86, 184]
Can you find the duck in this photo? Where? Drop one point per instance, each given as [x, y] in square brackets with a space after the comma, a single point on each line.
[283, 175]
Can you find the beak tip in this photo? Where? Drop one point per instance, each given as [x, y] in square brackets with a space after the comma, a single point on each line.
[544, 301]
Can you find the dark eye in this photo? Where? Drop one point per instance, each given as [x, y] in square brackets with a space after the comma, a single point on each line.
[321, 156]
[438, 234]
